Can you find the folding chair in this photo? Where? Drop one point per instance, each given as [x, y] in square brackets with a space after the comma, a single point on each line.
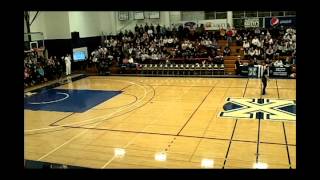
[191, 69]
[221, 69]
[197, 69]
[181, 69]
[160, 69]
[155, 69]
[187, 68]
[203, 69]
[165, 70]
[170, 69]
[144, 68]
[150, 69]
[215, 69]
[210, 69]
[176, 69]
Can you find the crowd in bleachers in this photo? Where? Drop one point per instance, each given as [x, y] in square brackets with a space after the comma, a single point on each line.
[269, 44]
[38, 69]
[151, 42]
[160, 42]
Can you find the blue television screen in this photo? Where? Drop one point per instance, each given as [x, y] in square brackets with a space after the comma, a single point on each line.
[80, 54]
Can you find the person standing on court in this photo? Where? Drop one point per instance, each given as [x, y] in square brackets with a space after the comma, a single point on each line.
[264, 78]
[237, 66]
[67, 61]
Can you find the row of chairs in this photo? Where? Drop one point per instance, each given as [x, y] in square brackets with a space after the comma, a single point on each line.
[182, 69]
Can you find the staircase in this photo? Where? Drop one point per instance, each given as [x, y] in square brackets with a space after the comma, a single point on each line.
[229, 61]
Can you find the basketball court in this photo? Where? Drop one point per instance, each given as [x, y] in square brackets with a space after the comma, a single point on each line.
[163, 122]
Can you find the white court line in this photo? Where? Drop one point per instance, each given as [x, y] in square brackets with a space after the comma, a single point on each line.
[92, 119]
[128, 144]
[48, 102]
[55, 149]
[67, 142]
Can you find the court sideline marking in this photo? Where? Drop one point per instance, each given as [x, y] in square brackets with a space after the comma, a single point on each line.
[195, 110]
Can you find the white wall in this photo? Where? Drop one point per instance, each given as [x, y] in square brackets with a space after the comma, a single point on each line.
[108, 22]
[57, 25]
[175, 16]
[38, 24]
[229, 18]
[87, 23]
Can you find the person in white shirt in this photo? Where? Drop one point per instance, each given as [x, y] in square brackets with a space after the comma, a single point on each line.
[246, 46]
[165, 41]
[255, 42]
[150, 31]
[170, 41]
[67, 60]
[270, 41]
[251, 53]
[130, 60]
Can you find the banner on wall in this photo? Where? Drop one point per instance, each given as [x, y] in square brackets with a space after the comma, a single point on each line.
[251, 22]
[188, 24]
[138, 15]
[213, 24]
[276, 21]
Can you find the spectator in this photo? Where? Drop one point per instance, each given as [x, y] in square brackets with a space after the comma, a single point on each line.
[246, 46]
[222, 33]
[251, 53]
[67, 60]
[257, 53]
[237, 66]
[150, 32]
[40, 73]
[269, 53]
[226, 51]
[255, 42]
[146, 27]
[257, 31]
[229, 36]
[239, 40]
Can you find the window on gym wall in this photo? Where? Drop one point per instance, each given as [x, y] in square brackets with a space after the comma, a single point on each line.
[277, 13]
[290, 13]
[238, 14]
[210, 15]
[221, 15]
[192, 15]
[264, 13]
[251, 13]
[215, 15]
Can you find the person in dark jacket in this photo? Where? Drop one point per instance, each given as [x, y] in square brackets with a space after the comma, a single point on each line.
[264, 79]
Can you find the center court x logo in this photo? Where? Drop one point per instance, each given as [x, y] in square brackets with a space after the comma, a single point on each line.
[253, 108]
